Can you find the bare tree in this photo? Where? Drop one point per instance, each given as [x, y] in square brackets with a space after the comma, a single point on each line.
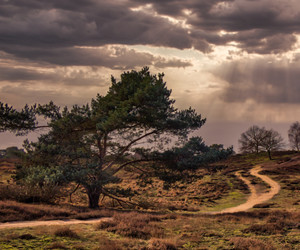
[257, 139]
[271, 141]
[250, 140]
[294, 135]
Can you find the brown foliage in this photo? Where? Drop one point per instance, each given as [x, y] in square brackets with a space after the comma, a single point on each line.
[107, 244]
[162, 244]
[27, 194]
[106, 224]
[66, 232]
[134, 225]
[250, 244]
[94, 214]
[266, 229]
[15, 211]
[57, 245]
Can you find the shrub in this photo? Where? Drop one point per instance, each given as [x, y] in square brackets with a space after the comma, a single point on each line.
[134, 225]
[106, 224]
[107, 244]
[250, 244]
[66, 232]
[23, 237]
[46, 194]
[94, 214]
[265, 229]
[161, 244]
[15, 211]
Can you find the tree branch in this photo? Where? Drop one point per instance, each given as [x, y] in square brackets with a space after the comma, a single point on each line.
[127, 147]
[106, 193]
[130, 163]
[73, 192]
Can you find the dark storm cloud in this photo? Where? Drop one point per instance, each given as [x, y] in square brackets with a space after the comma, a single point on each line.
[40, 29]
[261, 81]
[34, 76]
[115, 57]
[51, 24]
[261, 26]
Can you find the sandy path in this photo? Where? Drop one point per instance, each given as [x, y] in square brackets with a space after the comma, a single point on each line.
[21, 224]
[254, 198]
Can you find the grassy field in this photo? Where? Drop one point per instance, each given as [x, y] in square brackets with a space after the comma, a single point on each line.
[172, 218]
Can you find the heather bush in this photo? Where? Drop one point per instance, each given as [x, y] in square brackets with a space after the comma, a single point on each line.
[66, 232]
[134, 225]
[241, 243]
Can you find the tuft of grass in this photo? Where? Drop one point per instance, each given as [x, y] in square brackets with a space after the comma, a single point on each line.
[15, 211]
[266, 229]
[241, 243]
[107, 244]
[106, 224]
[134, 225]
[94, 214]
[162, 244]
[66, 232]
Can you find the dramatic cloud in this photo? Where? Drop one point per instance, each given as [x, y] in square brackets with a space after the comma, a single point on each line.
[118, 57]
[265, 26]
[259, 26]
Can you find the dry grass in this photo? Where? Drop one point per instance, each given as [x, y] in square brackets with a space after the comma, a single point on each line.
[46, 194]
[57, 245]
[107, 244]
[275, 227]
[66, 232]
[162, 244]
[134, 225]
[266, 229]
[106, 224]
[241, 243]
[16, 211]
[25, 236]
[93, 214]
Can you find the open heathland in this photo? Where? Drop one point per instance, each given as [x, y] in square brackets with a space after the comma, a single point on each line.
[181, 215]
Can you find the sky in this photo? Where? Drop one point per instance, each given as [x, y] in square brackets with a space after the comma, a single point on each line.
[237, 62]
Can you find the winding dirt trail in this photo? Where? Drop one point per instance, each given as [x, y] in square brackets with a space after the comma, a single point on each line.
[254, 198]
[22, 224]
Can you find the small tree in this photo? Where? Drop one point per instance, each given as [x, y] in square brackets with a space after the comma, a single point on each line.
[294, 135]
[271, 141]
[250, 140]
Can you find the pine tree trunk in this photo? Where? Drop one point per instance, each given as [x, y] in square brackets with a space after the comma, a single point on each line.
[94, 196]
